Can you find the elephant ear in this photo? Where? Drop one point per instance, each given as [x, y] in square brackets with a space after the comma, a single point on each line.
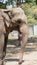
[6, 18]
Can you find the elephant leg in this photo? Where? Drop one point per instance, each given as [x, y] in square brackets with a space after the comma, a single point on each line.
[4, 49]
[5, 44]
[1, 47]
[24, 32]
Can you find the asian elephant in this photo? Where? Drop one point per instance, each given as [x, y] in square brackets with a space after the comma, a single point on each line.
[10, 20]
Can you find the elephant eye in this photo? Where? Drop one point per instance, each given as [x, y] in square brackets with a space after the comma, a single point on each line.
[19, 21]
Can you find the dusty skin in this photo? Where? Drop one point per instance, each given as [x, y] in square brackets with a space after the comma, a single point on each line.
[10, 20]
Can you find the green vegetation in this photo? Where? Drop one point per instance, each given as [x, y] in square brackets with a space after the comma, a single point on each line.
[30, 10]
[2, 5]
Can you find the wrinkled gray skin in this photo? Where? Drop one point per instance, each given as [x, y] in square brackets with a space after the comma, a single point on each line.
[10, 20]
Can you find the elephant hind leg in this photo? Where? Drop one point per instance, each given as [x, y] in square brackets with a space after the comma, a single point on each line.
[24, 31]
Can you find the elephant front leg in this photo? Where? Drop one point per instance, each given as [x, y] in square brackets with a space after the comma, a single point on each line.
[5, 44]
[24, 31]
[1, 47]
[4, 48]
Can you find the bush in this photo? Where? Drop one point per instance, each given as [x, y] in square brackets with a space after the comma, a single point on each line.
[31, 12]
[2, 5]
[35, 13]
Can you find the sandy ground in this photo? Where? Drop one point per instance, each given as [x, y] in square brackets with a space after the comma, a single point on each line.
[12, 56]
[29, 59]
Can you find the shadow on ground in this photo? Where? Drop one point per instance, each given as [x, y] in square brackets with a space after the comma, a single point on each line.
[14, 47]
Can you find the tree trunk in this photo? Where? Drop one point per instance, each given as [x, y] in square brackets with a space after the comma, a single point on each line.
[36, 2]
[18, 2]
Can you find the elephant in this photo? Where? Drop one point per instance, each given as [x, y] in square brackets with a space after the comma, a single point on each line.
[14, 19]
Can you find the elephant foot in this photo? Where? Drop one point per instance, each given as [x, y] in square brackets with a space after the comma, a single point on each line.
[20, 62]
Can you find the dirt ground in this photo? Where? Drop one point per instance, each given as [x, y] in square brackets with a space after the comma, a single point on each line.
[29, 59]
[30, 55]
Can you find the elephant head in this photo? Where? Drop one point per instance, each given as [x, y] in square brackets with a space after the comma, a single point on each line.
[16, 15]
